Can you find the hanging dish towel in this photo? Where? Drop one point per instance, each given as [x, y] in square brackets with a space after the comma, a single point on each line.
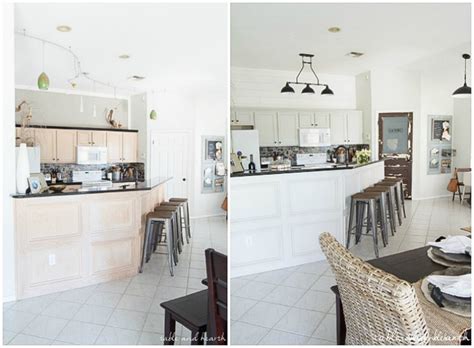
[459, 286]
[453, 244]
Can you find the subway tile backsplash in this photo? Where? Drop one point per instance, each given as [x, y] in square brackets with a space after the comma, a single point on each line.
[66, 169]
[291, 151]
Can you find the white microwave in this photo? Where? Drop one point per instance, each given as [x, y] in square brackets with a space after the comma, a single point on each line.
[311, 137]
[91, 155]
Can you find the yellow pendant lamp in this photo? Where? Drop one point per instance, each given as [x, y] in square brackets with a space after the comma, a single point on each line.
[43, 79]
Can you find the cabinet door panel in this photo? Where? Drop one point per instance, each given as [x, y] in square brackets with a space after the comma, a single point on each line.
[354, 127]
[338, 128]
[46, 140]
[321, 119]
[288, 129]
[265, 123]
[66, 146]
[129, 147]
[114, 147]
[84, 138]
[244, 118]
[99, 138]
[306, 119]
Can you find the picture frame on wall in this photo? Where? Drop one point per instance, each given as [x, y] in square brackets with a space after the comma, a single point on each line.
[213, 164]
[440, 151]
[441, 129]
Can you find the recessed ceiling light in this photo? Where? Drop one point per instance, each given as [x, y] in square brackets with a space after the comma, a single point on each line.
[63, 28]
[124, 56]
[355, 54]
[334, 30]
[136, 78]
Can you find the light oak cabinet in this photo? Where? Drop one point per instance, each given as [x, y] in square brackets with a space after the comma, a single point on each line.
[91, 138]
[56, 145]
[277, 128]
[242, 118]
[122, 147]
[318, 119]
[346, 127]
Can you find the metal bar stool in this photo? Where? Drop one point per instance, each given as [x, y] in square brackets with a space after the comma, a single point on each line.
[165, 218]
[181, 219]
[177, 218]
[185, 207]
[401, 192]
[394, 188]
[388, 202]
[359, 202]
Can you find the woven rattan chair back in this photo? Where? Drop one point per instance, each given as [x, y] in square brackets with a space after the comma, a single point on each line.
[379, 308]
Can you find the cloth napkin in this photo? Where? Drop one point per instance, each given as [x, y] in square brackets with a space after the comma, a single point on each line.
[459, 286]
[453, 244]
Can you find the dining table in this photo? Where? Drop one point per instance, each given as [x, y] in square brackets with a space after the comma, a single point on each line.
[412, 266]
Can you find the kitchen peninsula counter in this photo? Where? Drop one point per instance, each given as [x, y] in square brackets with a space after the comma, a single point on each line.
[276, 220]
[74, 239]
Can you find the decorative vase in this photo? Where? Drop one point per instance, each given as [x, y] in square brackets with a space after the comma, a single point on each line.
[22, 169]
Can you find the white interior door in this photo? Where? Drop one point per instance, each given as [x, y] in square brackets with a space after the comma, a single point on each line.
[169, 153]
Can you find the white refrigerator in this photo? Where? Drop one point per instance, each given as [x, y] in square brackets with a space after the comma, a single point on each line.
[247, 142]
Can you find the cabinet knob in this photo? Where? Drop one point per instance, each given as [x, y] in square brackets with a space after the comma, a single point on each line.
[316, 124]
[236, 120]
[275, 142]
[279, 142]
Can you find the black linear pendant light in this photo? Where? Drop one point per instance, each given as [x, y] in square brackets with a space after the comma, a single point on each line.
[464, 91]
[307, 59]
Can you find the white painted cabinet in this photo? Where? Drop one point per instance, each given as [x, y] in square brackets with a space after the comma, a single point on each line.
[346, 127]
[277, 128]
[266, 124]
[242, 118]
[287, 129]
[318, 119]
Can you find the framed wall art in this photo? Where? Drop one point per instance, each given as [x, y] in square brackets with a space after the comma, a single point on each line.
[439, 148]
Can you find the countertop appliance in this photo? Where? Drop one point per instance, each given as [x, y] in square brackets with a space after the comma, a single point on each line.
[91, 155]
[246, 141]
[310, 137]
[311, 159]
[90, 178]
[33, 158]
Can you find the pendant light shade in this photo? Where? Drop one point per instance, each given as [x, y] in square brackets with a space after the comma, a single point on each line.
[306, 59]
[327, 91]
[43, 81]
[464, 91]
[307, 90]
[287, 89]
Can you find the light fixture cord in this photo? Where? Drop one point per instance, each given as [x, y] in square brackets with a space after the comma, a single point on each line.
[43, 56]
[311, 66]
[465, 67]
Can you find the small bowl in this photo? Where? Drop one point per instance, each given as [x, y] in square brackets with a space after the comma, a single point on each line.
[57, 188]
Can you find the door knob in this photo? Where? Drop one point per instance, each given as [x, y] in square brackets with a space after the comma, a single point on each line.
[184, 179]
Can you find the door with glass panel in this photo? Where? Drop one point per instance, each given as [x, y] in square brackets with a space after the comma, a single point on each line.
[396, 146]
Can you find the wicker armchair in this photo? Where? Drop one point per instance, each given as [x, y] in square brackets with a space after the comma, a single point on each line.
[379, 308]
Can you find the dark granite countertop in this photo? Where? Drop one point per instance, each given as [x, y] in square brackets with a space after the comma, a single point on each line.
[140, 186]
[302, 169]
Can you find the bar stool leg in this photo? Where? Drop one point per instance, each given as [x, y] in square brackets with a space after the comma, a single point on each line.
[360, 208]
[399, 204]
[184, 221]
[383, 219]
[188, 223]
[403, 199]
[174, 240]
[349, 228]
[169, 240]
[145, 244]
[373, 223]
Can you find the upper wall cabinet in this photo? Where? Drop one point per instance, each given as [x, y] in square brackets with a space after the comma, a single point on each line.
[122, 147]
[242, 118]
[317, 119]
[346, 127]
[56, 145]
[277, 128]
[91, 138]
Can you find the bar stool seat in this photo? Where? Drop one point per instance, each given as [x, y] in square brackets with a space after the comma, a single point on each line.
[388, 204]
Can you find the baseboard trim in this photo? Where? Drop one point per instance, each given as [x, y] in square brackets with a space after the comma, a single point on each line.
[9, 299]
[430, 197]
[205, 216]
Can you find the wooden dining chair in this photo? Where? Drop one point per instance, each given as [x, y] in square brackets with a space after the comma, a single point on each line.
[216, 266]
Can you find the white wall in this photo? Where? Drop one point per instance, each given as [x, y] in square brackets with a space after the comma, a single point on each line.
[364, 103]
[138, 120]
[261, 88]
[7, 152]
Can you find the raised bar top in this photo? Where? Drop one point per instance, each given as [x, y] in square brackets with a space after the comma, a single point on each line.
[140, 186]
[302, 169]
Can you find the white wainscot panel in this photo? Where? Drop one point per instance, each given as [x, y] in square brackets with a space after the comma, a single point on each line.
[305, 236]
[112, 255]
[258, 200]
[113, 214]
[313, 194]
[256, 246]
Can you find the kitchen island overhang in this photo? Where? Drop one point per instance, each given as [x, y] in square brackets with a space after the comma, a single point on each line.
[75, 239]
[276, 220]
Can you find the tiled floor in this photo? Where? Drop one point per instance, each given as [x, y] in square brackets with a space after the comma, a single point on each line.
[125, 311]
[295, 305]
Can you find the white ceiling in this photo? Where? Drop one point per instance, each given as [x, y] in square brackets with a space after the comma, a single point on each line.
[175, 46]
[270, 36]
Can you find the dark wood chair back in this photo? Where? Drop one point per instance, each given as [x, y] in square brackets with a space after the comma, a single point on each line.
[216, 267]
